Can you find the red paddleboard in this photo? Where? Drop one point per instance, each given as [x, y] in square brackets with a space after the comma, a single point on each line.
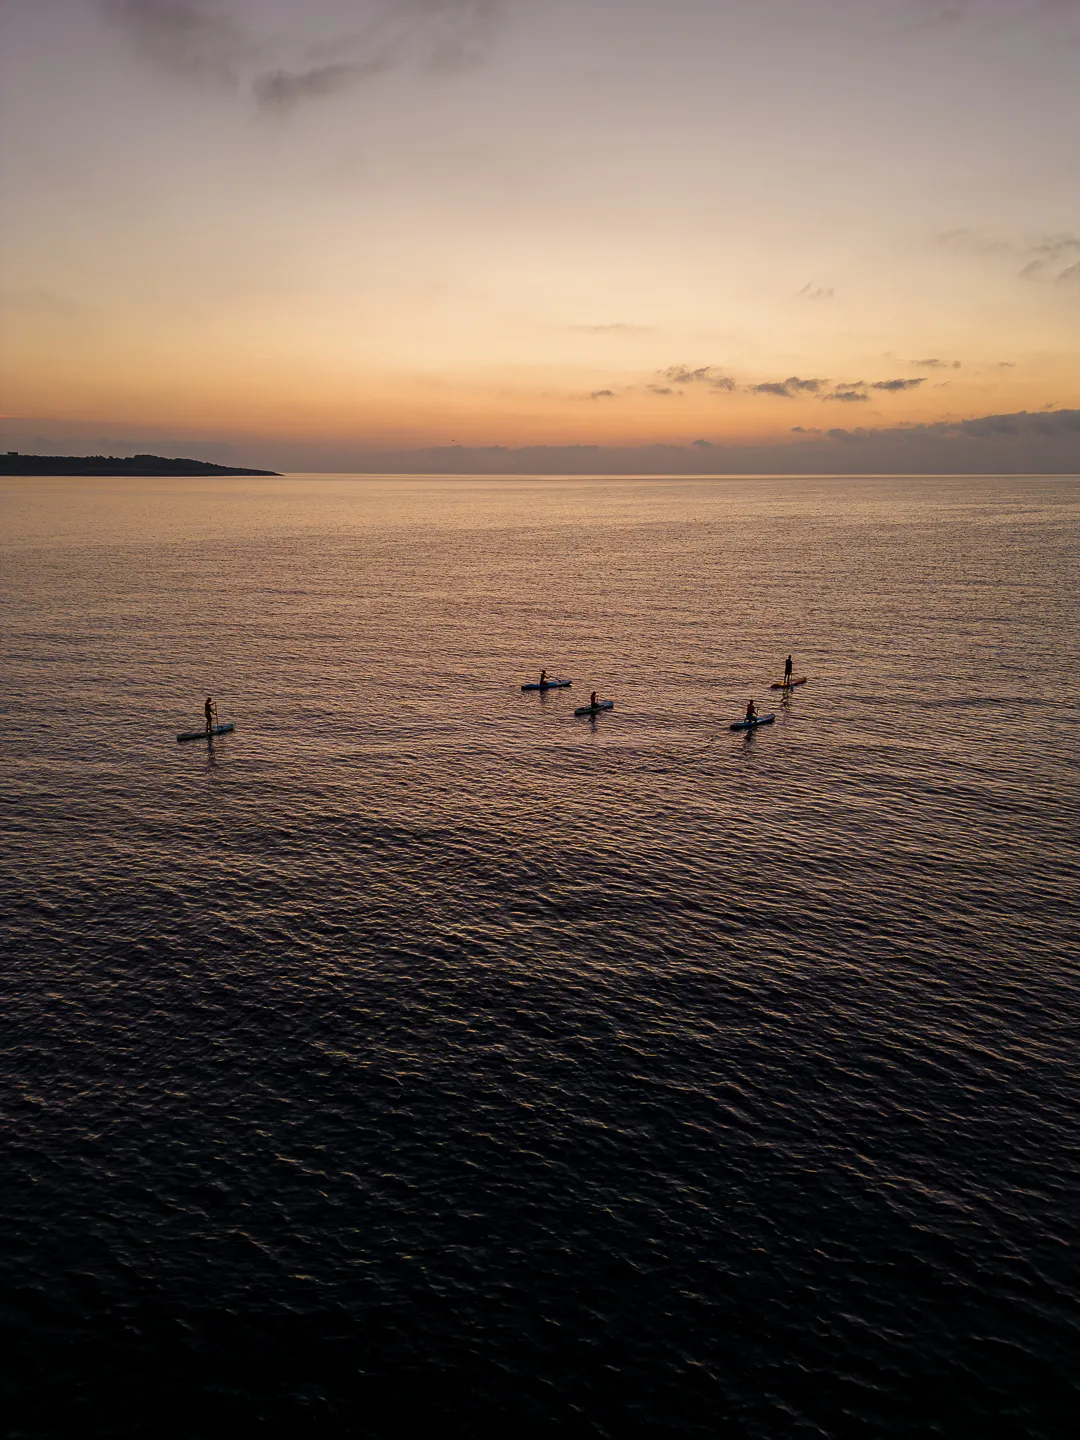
[788, 684]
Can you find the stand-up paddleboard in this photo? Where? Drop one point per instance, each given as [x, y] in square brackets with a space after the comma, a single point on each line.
[753, 724]
[787, 684]
[203, 734]
[594, 709]
[548, 685]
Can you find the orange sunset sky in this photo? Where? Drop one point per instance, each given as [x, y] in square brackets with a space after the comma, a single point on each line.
[301, 233]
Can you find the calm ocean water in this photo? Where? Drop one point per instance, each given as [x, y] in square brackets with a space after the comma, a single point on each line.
[421, 1057]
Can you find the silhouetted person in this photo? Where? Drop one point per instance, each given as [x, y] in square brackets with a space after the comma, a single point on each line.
[208, 710]
[787, 671]
[751, 710]
[592, 699]
[543, 677]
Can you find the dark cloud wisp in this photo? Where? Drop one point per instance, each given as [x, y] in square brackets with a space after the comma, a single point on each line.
[197, 41]
[795, 386]
[280, 90]
[704, 375]
[186, 39]
[788, 388]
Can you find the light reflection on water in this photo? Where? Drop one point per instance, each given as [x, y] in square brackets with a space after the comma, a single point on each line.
[425, 1049]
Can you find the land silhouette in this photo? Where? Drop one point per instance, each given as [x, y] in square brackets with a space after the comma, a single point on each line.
[13, 463]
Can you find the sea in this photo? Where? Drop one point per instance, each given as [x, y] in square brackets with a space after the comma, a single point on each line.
[424, 1059]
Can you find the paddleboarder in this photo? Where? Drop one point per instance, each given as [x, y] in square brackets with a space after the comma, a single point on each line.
[543, 678]
[787, 671]
[208, 710]
[592, 700]
[751, 710]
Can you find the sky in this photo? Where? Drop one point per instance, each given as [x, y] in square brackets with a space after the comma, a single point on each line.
[326, 234]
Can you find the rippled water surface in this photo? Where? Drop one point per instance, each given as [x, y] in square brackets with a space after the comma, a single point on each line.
[422, 1057]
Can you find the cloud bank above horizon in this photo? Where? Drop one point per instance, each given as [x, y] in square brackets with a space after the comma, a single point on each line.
[381, 226]
[1041, 443]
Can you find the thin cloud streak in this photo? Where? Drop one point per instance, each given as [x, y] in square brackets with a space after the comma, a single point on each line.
[1041, 257]
[1049, 253]
[618, 327]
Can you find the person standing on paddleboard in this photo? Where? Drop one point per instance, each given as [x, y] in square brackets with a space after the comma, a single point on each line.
[751, 710]
[543, 678]
[787, 671]
[208, 710]
[592, 700]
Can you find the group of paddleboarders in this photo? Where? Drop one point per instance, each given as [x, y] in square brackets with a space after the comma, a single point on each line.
[210, 711]
[751, 714]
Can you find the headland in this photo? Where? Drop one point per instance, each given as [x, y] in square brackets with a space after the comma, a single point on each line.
[13, 463]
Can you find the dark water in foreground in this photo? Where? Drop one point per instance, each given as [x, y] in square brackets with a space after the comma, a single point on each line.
[423, 1058]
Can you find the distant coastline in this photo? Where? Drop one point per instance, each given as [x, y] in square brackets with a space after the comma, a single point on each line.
[13, 463]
